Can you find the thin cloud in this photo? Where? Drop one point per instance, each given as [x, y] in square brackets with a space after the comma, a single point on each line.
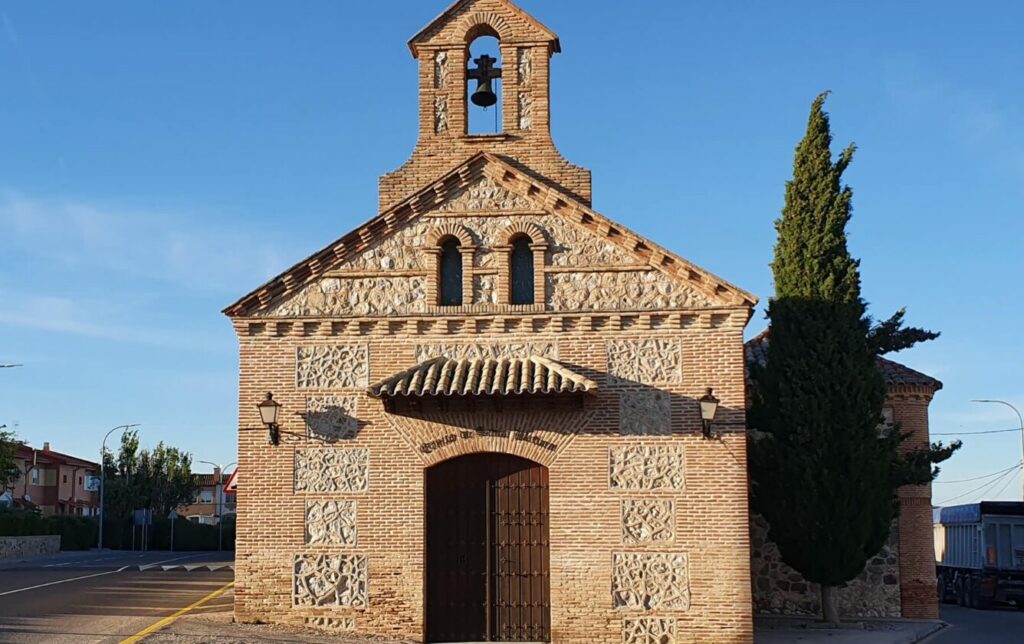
[172, 249]
[65, 316]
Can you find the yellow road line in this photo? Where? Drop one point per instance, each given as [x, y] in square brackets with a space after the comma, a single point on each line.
[149, 630]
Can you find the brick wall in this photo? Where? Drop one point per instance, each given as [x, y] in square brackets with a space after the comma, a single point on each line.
[917, 547]
[709, 508]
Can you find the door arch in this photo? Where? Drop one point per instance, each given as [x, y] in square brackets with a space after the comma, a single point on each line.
[487, 555]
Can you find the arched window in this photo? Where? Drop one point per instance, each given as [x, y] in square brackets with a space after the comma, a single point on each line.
[450, 278]
[521, 269]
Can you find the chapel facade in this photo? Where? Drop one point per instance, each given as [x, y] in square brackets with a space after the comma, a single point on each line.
[490, 426]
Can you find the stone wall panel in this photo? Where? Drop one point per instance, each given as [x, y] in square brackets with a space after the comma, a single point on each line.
[331, 523]
[332, 366]
[650, 581]
[320, 470]
[331, 580]
[647, 467]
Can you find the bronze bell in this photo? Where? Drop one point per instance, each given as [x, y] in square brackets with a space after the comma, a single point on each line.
[484, 73]
[484, 96]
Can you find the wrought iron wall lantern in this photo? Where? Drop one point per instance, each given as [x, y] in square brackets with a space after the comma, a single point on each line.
[269, 409]
[708, 409]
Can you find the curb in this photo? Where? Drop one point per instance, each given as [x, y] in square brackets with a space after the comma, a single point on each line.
[182, 567]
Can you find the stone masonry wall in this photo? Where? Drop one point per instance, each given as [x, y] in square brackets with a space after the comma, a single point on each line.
[900, 580]
[780, 590]
[14, 548]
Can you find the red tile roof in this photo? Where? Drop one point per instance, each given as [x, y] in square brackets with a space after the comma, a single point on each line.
[895, 373]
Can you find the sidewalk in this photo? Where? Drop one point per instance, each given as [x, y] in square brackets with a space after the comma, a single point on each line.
[790, 630]
[214, 622]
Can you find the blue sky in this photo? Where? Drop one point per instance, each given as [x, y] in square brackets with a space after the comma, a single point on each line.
[158, 160]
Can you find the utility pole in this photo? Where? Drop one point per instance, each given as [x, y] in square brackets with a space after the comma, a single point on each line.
[103, 478]
[1020, 419]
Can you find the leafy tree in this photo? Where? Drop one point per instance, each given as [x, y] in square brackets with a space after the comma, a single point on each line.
[160, 480]
[9, 470]
[823, 475]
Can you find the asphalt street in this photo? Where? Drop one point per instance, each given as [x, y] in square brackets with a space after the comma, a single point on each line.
[998, 625]
[103, 597]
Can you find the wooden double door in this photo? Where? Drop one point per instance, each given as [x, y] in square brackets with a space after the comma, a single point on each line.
[488, 577]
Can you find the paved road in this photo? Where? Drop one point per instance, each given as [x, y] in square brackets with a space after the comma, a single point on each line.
[999, 625]
[102, 597]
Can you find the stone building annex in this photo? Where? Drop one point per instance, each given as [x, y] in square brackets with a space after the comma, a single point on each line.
[489, 424]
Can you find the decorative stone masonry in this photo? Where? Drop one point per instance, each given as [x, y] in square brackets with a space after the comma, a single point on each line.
[780, 590]
[332, 418]
[27, 547]
[645, 361]
[648, 521]
[629, 290]
[332, 367]
[647, 467]
[486, 195]
[330, 580]
[441, 114]
[524, 64]
[647, 412]
[331, 523]
[441, 72]
[525, 111]
[379, 295]
[649, 630]
[332, 623]
[483, 351]
[650, 581]
[331, 470]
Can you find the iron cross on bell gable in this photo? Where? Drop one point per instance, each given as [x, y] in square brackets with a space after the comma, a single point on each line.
[485, 71]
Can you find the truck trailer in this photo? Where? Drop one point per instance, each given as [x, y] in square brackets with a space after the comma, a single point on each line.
[979, 551]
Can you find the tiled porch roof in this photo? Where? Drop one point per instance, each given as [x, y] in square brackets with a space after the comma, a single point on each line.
[483, 377]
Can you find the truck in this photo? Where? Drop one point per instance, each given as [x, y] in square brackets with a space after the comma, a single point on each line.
[979, 552]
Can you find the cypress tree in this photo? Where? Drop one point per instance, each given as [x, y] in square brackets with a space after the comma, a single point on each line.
[823, 478]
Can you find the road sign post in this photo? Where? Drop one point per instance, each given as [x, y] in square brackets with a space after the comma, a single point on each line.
[173, 516]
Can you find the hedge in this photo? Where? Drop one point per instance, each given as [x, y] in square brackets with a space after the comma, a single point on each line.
[76, 533]
[81, 533]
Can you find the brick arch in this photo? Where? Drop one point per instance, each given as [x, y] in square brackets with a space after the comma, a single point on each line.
[437, 437]
[484, 23]
[458, 231]
[490, 445]
[528, 228]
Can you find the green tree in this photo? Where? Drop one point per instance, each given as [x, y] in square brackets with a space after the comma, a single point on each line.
[823, 476]
[159, 479]
[9, 470]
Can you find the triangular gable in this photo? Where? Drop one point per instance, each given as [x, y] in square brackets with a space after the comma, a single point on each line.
[521, 22]
[507, 184]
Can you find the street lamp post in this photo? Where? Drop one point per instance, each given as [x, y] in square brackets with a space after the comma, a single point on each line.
[220, 498]
[103, 476]
[1020, 419]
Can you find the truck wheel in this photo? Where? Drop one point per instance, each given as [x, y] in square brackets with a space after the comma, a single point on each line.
[945, 597]
[977, 601]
